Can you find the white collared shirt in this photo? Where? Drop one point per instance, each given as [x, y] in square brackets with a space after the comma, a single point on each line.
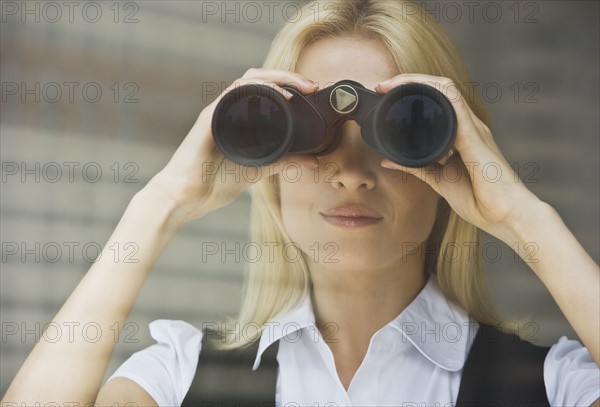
[415, 360]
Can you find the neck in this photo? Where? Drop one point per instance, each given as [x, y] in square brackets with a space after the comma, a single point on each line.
[360, 303]
[351, 305]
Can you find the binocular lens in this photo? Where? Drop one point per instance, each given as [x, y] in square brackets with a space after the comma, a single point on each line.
[252, 126]
[415, 128]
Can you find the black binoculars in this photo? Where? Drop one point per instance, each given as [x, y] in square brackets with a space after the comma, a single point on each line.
[413, 124]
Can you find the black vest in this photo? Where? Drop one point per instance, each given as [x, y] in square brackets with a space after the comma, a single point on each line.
[501, 370]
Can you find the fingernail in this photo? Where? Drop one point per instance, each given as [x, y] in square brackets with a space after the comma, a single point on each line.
[384, 83]
[386, 164]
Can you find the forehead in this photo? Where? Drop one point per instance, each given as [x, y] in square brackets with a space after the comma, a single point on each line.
[331, 59]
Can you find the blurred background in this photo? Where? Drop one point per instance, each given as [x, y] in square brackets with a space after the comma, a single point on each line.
[96, 97]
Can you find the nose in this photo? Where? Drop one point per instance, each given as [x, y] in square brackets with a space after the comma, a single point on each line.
[351, 163]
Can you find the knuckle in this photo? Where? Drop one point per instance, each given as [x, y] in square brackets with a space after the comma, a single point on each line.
[447, 83]
[239, 82]
[486, 129]
[250, 72]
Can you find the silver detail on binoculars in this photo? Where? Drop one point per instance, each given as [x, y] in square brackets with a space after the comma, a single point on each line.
[343, 99]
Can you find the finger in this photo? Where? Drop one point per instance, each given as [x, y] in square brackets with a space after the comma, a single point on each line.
[430, 174]
[241, 82]
[471, 130]
[304, 160]
[391, 83]
[256, 81]
[293, 162]
[445, 158]
[285, 78]
[253, 173]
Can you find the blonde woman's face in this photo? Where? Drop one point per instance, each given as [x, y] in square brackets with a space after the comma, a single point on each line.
[396, 210]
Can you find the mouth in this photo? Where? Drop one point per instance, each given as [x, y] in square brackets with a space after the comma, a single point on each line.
[351, 216]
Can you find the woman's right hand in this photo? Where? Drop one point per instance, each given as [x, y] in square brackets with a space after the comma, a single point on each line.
[199, 179]
[183, 190]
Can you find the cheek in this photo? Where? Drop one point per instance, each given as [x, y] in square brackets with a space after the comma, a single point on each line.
[415, 210]
[297, 197]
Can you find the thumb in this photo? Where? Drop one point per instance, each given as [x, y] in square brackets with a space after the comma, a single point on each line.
[293, 161]
[430, 174]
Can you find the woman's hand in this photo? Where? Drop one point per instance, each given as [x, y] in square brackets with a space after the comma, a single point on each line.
[499, 203]
[478, 183]
[193, 183]
[199, 179]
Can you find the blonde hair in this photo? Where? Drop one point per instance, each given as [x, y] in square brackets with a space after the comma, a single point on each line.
[275, 285]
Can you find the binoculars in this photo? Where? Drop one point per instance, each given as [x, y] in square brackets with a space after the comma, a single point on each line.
[413, 124]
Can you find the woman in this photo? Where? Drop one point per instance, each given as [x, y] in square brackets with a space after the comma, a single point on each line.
[383, 226]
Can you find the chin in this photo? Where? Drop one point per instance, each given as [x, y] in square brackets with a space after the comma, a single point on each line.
[346, 257]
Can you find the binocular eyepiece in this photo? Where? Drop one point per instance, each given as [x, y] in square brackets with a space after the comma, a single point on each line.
[413, 124]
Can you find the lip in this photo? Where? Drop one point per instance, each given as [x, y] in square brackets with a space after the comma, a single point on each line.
[352, 216]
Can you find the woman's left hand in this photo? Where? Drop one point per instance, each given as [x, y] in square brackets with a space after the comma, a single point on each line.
[498, 202]
[478, 183]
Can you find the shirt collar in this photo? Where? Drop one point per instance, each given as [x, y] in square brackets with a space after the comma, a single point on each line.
[286, 325]
[439, 329]
[435, 326]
